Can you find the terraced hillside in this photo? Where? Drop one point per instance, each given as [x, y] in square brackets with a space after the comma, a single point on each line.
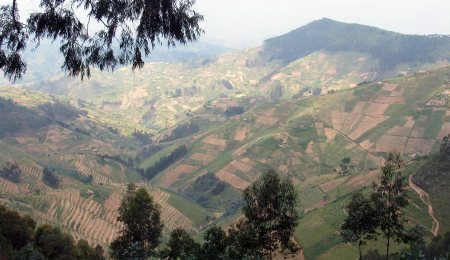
[91, 170]
[319, 120]
[164, 93]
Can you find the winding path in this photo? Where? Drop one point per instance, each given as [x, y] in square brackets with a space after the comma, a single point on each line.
[426, 200]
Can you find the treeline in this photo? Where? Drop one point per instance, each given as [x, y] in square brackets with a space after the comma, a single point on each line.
[142, 137]
[205, 187]
[181, 131]
[163, 163]
[20, 239]
[270, 218]
[11, 172]
[234, 111]
[391, 49]
[50, 178]
[15, 119]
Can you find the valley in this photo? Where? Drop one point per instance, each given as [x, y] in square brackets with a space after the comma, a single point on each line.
[197, 133]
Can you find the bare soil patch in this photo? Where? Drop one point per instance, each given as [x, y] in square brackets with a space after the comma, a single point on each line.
[172, 175]
[212, 140]
[338, 119]
[295, 180]
[366, 124]
[399, 131]
[332, 71]
[409, 122]
[203, 158]
[283, 169]
[266, 120]
[331, 185]
[363, 180]
[241, 134]
[445, 130]
[389, 143]
[421, 146]
[366, 144]
[376, 109]
[232, 179]
[417, 132]
[8, 187]
[243, 167]
[389, 99]
[330, 133]
[389, 87]
[318, 205]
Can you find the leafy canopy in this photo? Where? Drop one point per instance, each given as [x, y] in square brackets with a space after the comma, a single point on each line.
[126, 32]
[271, 215]
[142, 225]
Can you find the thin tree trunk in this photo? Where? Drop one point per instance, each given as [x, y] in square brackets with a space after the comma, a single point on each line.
[387, 248]
[360, 254]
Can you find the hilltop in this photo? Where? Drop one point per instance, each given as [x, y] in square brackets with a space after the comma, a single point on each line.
[390, 49]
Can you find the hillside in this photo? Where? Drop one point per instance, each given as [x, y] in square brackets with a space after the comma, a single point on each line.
[433, 176]
[197, 133]
[388, 48]
[63, 168]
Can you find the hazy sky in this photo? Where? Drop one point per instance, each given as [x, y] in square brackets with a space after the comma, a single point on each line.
[246, 23]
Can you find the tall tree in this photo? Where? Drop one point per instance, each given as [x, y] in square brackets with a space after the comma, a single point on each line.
[271, 215]
[181, 246]
[216, 244]
[15, 231]
[125, 31]
[140, 217]
[390, 198]
[361, 222]
[54, 244]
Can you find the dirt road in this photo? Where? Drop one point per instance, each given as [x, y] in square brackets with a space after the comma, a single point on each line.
[426, 200]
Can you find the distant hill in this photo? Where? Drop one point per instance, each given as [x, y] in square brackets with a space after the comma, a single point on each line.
[390, 48]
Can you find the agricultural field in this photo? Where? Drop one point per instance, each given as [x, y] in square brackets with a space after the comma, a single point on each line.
[310, 120]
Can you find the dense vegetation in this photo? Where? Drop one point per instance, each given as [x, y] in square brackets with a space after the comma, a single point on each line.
[50, 178]
[205, 187]
[389, 48]
[19, 239]
[164, 162]
[234, 111]
[270, 217]
[182, 131]
[11, 172]
[16, 119]
[434, 177]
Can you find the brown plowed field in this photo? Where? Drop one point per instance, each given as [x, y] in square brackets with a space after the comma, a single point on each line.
[399, 131]
[389, 143]
[212, 140]
[172, 175]
[330, 134]
[421, 146]
[445, 130]
[331, 185]
[338, 119]
[366, 124]
[376, 109]
[241, 134]
[232, 179]
[417, 132]
[203, 158]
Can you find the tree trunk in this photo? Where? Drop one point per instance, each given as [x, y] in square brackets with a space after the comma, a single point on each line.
[387, 247]
[360, 254]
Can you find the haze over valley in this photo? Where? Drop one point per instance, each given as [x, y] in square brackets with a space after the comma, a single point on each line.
[323, 105]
